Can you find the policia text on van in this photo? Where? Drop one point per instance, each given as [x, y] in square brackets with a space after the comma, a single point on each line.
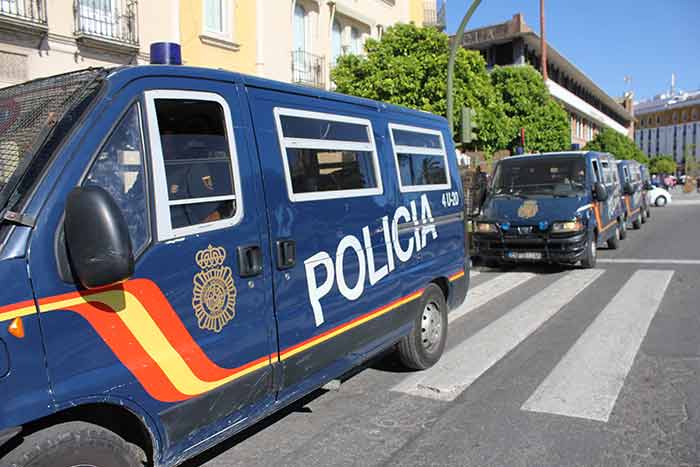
[188, 250]
[552, 207]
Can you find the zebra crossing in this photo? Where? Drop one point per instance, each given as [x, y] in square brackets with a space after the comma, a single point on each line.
[587, 380]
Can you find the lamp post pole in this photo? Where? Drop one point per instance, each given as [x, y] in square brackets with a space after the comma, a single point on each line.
[451, 62]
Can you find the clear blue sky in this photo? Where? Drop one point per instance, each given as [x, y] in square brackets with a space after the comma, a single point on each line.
[609, 39]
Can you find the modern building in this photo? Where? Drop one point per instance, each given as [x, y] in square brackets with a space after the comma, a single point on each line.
[40, 38]
[669, 124]
[589, 107]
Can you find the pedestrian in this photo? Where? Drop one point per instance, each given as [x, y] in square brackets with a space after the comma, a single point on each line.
[697, 183]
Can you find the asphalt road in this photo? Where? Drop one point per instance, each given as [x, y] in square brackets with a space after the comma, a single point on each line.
[543, 367]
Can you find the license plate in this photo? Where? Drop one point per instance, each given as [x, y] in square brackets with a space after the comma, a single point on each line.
[532, 255]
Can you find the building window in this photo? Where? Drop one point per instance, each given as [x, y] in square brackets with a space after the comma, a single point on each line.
[684, 116]
[355, 41]
[658, 120]
[300, 27]
[675, 117]
[336, 42]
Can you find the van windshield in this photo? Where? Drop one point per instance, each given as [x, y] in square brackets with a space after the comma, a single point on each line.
[34, 118]
[555, 176]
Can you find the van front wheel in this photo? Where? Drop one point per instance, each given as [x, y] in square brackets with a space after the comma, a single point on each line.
[75, 444]
[423, 347]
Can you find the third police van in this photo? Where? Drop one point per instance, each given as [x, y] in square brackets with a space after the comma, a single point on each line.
[186, 251]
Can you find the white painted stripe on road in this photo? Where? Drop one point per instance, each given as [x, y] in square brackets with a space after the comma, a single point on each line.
[588, 379]
[648, 261]
[484, 293]
[466, 362]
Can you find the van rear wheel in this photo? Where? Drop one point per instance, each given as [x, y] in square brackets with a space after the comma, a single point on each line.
[75, 444]
[614, 241]
[424, 345]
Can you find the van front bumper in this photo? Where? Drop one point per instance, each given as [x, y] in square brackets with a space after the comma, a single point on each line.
[560, 248]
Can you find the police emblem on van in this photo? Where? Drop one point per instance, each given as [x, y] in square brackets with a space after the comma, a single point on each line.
[214, 293]
[528, 209]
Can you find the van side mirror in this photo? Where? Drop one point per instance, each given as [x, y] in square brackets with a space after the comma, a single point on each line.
[648, 186]
[628, 188]
[97, 238]
[600, 192]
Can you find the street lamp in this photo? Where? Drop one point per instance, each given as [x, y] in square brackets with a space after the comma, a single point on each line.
[451, 62]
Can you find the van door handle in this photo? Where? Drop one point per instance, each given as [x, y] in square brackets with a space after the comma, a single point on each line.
[250, 261]
[286, 254]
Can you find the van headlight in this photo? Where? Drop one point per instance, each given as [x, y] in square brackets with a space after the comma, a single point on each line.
[486, 227]
[567, 226]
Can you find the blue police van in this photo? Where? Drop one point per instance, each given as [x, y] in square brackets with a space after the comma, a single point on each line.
[186, 251]
[634, 199]
[553, 207]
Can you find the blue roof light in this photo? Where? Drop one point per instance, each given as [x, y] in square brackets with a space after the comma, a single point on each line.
[166, 53]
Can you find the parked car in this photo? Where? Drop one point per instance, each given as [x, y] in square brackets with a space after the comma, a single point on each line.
[659, 197]
[207, 248]
[554, 208]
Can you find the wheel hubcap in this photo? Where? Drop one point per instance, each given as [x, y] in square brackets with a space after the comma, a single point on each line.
[431, 326]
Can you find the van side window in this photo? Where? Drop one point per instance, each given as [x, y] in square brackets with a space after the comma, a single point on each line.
[626, 171]
[596, 171]
[607, 172]
[421, 159]
[195, 164]
[327, 156]
[119, 169]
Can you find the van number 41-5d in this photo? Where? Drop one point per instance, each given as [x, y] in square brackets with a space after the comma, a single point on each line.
[450, 199]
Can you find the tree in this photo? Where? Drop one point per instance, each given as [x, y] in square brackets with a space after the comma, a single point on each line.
[527, 103]
[662, 165]
[617, 144]
[408, 67]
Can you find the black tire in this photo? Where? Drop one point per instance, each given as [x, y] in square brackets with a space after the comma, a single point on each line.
[643, 215]
[661, 201]
[614, 240]
[590, 258]
[637, 223]
[648, 213]
[75, 443]
[424, 345]
[623, 230]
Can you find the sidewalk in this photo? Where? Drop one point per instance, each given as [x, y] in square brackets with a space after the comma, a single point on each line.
[684, 199]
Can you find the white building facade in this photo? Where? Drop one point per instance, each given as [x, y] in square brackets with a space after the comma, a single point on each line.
[669, 125]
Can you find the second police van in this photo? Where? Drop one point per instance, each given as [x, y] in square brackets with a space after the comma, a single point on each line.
[186, 251]
[634, 188]
[554, 207]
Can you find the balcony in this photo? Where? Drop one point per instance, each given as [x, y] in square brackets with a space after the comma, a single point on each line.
[308, 69]
[24, 16]
[107, 24]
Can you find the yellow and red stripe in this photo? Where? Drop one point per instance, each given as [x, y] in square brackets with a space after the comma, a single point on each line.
[139, 325]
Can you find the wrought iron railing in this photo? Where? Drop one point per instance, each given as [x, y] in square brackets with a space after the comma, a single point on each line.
[33, 11]
[115, 20]
[308, 69]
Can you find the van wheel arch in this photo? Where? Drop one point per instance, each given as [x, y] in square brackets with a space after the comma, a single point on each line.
[444, 285]
[115, 418]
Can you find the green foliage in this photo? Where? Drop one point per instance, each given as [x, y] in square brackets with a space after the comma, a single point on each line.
[408, 67]
[662, 165]
[527, 103]
[620, 146]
